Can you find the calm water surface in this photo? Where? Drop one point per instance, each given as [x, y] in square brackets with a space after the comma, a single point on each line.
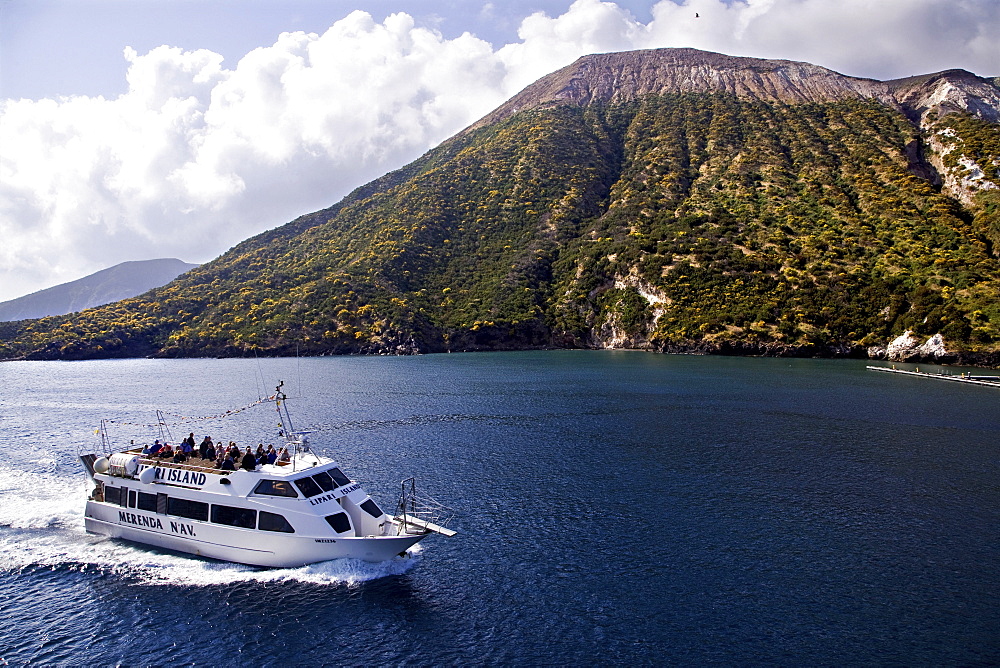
[621, 508]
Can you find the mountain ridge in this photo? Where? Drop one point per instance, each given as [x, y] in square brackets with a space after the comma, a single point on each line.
[618, 77]
[947, 91]
[121, 281]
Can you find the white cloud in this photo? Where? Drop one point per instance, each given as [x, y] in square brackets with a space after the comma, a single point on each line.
[196, 157]
[547, 43]
[883, 40]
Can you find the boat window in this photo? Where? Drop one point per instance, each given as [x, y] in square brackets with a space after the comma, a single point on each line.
[324, 481]
[146, 502]
[371, 508]
[234, 517]
[340, 522]
[113, 495]
[273, 522]
[339, 477]
[194, 510]
[308, 487]
[131, 498]
[274, 488]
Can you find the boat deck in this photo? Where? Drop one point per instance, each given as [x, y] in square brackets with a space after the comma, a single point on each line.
[193, 463]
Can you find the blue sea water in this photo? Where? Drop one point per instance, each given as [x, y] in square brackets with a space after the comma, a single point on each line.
[612, 507]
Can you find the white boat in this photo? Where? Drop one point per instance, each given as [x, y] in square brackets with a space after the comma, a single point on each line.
[286, 514]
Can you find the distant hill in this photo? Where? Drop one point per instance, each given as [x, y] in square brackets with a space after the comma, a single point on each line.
[669, 200]
[128, 279]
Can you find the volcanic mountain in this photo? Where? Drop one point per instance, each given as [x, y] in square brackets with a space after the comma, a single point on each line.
[671, 200]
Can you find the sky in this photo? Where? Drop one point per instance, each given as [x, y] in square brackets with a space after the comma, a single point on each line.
[142, 129]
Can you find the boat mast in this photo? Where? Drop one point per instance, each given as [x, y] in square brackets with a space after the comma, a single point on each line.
[294, 440]
[105, 438]
[284, 419]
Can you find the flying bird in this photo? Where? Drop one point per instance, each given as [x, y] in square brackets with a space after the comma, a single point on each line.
[696, 15]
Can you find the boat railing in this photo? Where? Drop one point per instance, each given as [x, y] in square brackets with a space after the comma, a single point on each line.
[418, 513]
[166, 464]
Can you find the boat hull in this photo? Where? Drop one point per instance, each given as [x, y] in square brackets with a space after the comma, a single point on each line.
[273, 549]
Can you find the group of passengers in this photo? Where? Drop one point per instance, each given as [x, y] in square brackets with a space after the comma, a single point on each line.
[226, 458]
[165, 451]
[231, 458]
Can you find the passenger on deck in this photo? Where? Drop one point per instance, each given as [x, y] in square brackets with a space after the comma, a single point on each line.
[227, 464]
[209, 453]
[249, 461]
[219, 458]
[284, 456]
[166, 452]
[203, 447]
[272, 456]
[187, 445]
[156, 447]
[179, 456]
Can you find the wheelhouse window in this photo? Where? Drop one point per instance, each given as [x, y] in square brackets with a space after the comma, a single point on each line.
[146, 502]
[371, 508]
[339, 522]
[275, 488]
[308, 486]
[243, 518]
[193, 510]
[273, 522]
[339, 477]
[324, 481]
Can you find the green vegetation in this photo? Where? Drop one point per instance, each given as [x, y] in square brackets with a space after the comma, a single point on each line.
[799, 225]
[682, 221]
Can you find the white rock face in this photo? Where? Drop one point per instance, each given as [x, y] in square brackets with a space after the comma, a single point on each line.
[902, 346]
[612, 335]
[964, 181]
[657, 300]
[975, 177]
[933, 347]
[907, 346]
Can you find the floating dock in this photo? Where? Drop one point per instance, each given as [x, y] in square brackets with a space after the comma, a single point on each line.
[989, 381]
